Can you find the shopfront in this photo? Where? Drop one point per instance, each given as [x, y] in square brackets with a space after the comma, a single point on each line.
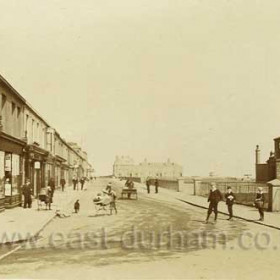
[11, 162]
[35, 167]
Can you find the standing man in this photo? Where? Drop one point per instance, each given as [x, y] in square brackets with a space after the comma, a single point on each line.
[156, 186]
[74, 181]
[27, 191]
[62, 183]
[214, 198]
[259, 203]
[148, 185]
[230, 198]
[82, 181]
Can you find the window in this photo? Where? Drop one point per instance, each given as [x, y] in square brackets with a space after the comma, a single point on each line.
[18, 112]
[26, 124]
[4, 99]
[13, 107]
[38, 135]
[32, 131]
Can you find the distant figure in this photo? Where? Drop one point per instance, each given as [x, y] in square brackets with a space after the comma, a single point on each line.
[49, 198]
[82, 181]
[148, 185]
[156, 186]
[214, 198]
[77, 206]
[230, 198]
[74, 181]
[108, 188]
[113, 197]
[130, 185]
[62, 183]
[27, 191]
[259, 203]
[52, 185]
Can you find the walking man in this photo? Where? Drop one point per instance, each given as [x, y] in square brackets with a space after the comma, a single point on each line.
[74, 181]
[214, 198]
[62, 183]
[148, 185]
[27, 191]
[230, 198]
[156, 186]
[82, 181]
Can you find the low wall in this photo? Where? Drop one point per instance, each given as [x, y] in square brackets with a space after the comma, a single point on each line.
[134, 179]
[166, 183]
[186, 185]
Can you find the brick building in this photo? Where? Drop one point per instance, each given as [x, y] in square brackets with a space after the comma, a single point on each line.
[271, 168]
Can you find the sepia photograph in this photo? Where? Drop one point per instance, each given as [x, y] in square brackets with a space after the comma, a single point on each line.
[139, 139]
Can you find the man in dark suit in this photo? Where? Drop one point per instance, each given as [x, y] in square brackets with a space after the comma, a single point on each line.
[148, 185]
[156, 185]
[62, 183]
[214, 198]
[27, 191]
[82, 181]
[230, 198]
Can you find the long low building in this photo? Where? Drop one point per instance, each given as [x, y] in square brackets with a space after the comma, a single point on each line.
[124, 166]
[31, 148]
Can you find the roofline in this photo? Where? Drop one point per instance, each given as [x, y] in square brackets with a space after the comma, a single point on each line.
[7, 84]
[28, 105]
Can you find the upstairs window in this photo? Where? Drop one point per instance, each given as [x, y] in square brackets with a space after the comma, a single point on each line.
[18, 112]
[13, 107]
[4, 100]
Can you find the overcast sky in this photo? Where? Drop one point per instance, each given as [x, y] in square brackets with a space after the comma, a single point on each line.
[194, 81]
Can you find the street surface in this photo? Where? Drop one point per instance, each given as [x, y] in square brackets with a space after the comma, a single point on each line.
[154, 236]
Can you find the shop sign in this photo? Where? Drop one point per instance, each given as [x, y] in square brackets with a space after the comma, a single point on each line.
[37, 165]
[8, 162]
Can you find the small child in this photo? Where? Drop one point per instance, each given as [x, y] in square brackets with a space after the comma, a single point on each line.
[77, 206]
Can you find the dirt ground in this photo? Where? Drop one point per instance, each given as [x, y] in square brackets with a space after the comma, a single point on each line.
[154, 237]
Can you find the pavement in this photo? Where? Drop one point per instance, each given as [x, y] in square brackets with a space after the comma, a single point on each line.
[22, 224]
[247, 213]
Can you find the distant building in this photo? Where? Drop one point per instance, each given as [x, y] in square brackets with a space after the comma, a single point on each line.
[124, 166]
[271, 169]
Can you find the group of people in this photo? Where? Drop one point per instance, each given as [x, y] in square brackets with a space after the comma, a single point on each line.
[148, 184]
[108, 195]
[76, 182]
[27, 192]
[215, 196]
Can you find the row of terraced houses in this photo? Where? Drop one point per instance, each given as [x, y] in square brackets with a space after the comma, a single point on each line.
[31, 148]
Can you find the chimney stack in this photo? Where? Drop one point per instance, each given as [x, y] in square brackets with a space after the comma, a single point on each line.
[258, 152]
